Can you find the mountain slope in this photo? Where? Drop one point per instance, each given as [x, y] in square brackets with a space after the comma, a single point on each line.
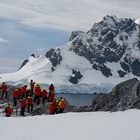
[95, 61]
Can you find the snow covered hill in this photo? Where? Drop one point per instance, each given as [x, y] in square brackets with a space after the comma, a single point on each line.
[73, 126]
[95, 61]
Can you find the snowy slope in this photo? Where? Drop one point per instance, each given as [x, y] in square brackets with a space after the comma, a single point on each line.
[73, 126]
[39, 69]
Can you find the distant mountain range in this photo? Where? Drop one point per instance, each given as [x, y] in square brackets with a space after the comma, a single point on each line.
[92, 61]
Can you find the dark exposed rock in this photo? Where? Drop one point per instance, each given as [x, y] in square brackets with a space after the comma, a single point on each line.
[107, 41]
[124, 96]
[104, 69]
[33, 55]
[24, 63]
[77, 76]
[136, 67]
[125, 66]
[121, 73]
[54, 56]
[74, 34]
[52, 69]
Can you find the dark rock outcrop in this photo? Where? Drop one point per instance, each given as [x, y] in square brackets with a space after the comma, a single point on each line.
[77, 76]
[124, 96]
[121, 73]
[55, 57]
[26, 61]
[108, 41]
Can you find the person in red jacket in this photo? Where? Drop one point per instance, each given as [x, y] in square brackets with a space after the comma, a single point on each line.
[15, 96]
[44, 96]
[30, 104]
[51, 89]
[23, 106]
[52, 108]
[23, 91]
[37, 94]
[19, 93]
[32, 85]
[56, 106]
[52, 95]
[8, 111]
[4, 90]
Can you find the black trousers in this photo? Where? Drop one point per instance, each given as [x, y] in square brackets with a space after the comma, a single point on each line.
[61, 110]
[30, 108]
[22, 111]
[31, 92]
[22, 95]
[44, 99]
[37, 98]
[3, 94]
[15, 101]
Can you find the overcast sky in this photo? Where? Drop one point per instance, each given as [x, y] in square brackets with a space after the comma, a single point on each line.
[28, 26]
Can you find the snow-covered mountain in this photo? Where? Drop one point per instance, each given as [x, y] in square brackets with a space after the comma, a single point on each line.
[92, 61]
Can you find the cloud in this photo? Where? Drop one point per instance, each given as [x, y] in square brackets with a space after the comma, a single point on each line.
[9, 65]
[7, 62]
[66, 15]
[2, 40]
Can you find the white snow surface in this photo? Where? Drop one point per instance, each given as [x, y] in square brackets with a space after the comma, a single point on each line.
[73, 126]
[137, 21]
[39, 69]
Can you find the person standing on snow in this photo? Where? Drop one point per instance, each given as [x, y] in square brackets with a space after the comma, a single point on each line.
[37, 94]
[44, 96]
[57, 107]
[52, 108]
[19, 93]
[32, 85]
[23, 91]
[52, 96]
[8, 110]
[30, 104]
[23, 106]
[15, 96]
[51, 89]
[4, 90]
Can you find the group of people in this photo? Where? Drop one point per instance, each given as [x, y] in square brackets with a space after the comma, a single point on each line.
[29, 97]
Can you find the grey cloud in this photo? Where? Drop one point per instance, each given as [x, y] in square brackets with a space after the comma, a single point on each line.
[67, 15]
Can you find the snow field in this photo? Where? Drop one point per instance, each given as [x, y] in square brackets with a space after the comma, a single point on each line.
[73, 126]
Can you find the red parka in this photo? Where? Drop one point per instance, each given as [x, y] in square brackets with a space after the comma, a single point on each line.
[51, 88]
[52, 107]
[32, 85]
[52, 95]
[4, 87]
[23, 90]
[23, 103]
[37, 91]
[30, 101]
[44, 93]
[15, 94]
[8, 111]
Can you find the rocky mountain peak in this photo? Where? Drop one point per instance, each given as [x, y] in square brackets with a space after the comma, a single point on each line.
[110, 40]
